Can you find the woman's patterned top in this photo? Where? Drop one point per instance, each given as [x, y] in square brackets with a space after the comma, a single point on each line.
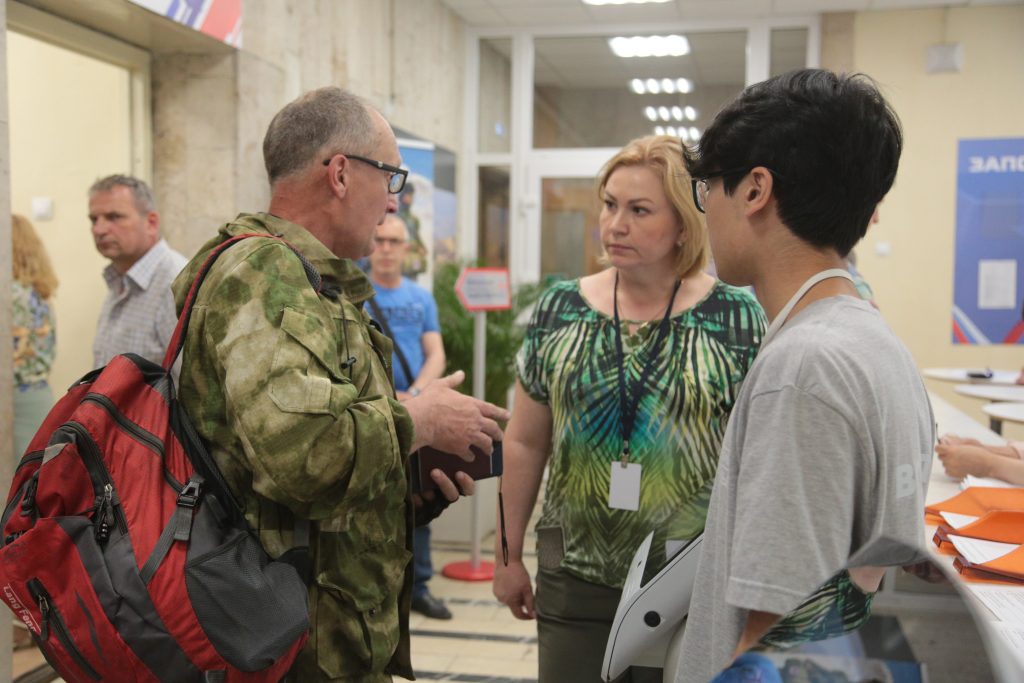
[569, 362]
[34, 336]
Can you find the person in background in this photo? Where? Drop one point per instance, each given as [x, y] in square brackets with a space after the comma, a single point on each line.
[408, 314]
[34, 330]
[624, 385]
[863, 288]
[138, 313]
[961, 457]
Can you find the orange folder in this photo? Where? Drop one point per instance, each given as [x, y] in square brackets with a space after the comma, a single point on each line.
[1004, 526]
[1009, 567]
[977, 500]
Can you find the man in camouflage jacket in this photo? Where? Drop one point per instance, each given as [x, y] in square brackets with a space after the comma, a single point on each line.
[291, 388]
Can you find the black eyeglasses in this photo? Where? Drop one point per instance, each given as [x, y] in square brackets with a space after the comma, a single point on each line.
[700, 185]
[396, 177]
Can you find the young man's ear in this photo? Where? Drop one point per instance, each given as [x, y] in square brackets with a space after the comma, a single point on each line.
[757, 188]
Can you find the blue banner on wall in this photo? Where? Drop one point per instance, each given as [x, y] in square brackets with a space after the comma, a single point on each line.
[988, 283]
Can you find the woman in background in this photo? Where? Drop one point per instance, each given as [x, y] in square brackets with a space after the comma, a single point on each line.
[625, 381]
[33, 329]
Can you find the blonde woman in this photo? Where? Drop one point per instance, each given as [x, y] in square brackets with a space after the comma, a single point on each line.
[33, 329]
[638, 364]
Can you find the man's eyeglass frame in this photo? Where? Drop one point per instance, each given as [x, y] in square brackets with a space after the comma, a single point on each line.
[394, 186]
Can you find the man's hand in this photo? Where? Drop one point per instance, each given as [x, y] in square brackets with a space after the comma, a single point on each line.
[453, 422]
[512, 587]
[448, 488]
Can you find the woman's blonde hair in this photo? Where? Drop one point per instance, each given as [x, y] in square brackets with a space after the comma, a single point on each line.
[663, 154]
[31, 265]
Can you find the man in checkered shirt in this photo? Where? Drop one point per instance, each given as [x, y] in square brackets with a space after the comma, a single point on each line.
[138, 314]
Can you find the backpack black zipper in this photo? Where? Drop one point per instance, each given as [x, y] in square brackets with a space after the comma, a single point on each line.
[34, 456]
[16, 500]
[52, 621]
[143, 436]
[103, 485]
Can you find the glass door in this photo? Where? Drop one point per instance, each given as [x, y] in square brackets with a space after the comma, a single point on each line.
[561, 207]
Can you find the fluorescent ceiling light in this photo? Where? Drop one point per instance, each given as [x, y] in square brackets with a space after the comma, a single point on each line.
[694, 133]
[651, 113]
[677, 113]
[659, 130]
[655, 86]
[623, 2]
[663, 113]
[684, 134]
[650, 46]
[691, 113]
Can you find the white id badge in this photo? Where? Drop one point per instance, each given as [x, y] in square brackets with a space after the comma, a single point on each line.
[624, 492]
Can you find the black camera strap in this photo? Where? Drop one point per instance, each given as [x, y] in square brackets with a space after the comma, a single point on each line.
[378, 314]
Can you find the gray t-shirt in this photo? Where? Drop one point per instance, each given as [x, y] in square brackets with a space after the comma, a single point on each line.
[824, 465]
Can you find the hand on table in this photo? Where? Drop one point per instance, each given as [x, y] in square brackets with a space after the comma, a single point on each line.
[959, 460]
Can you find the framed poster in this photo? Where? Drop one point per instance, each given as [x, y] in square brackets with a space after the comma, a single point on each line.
[988, 277]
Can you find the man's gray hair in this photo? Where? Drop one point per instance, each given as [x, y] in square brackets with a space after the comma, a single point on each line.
[143, 196]
[321, 122]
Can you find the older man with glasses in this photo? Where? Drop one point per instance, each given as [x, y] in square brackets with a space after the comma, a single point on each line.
[290, 386]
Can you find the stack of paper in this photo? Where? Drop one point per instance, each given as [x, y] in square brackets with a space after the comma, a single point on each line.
[971, 480]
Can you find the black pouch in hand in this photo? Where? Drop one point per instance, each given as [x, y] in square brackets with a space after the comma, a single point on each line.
[424, 460]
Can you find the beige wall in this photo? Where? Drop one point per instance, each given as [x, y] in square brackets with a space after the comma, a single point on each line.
[495, 98]
[915, 283]
[70, 119]
[6, 380]
[210, 112]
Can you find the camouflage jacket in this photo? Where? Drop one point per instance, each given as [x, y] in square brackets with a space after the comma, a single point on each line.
[299, 429]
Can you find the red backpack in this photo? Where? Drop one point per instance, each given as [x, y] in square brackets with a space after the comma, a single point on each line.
[123, 549]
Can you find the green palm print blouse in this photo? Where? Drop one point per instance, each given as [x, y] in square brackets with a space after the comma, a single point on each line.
[568, 361]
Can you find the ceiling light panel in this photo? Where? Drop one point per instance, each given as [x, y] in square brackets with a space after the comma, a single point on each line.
[650, 46]
[654, 86]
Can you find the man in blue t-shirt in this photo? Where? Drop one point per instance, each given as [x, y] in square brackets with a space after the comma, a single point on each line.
[410, 318]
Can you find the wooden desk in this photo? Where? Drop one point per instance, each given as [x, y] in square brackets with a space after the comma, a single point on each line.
[1004, 412]
[959, 375]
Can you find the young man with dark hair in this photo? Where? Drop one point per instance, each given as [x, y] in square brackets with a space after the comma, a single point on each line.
[828, 448]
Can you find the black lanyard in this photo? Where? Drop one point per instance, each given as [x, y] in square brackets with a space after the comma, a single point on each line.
[628, 410]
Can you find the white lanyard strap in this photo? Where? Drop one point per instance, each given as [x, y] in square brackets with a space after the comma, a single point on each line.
[780, 319]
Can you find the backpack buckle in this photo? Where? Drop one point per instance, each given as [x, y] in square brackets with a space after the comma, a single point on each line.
[189, 496]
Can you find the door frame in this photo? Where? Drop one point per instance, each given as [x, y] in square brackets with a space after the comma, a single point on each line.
[51, 29]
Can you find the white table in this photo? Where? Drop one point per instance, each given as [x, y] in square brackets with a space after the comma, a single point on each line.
[997, 393]
[1004, 412]
[959, 375]
[941, 487]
